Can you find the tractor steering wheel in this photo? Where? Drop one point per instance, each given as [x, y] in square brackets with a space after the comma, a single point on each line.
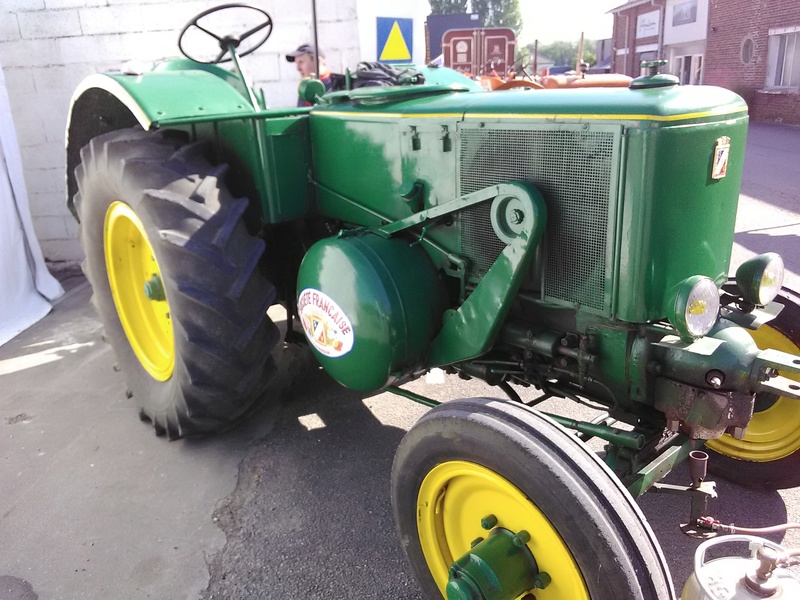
[521, 64]
[228, 42]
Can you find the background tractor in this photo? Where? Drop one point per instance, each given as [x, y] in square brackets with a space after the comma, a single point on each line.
[577, 241]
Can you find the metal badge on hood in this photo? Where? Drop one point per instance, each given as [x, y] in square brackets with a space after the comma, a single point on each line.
[719, 168]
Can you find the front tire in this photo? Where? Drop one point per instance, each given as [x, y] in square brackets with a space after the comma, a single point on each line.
[768, 457]
[470, 458]
[176, 279]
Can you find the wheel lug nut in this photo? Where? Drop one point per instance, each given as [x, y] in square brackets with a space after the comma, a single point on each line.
[542, 580]
[488, 522]
[475, 542]
[522, 538]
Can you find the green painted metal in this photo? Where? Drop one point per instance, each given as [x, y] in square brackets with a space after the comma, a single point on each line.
[660, 466]
[496, 568]
[154, 289]
[398, 391]
[619, 437]
[648, 108]
[471, 329]
[675, 226]
[268, 150]
[176, 92]
[389, 294]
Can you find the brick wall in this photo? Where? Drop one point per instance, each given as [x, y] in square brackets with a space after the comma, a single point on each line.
[48, 46]
[730, 23]
[625, 22]
[776, 108]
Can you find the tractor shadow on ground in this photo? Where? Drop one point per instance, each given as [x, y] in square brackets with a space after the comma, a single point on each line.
[311, 515]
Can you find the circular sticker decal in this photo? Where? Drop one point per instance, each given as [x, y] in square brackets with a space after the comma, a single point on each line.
[325, 324]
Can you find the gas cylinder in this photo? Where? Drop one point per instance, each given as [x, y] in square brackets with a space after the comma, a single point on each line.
[761, 575]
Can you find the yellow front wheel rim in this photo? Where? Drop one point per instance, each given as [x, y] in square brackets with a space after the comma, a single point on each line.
[132, 268]
[773, 433]
[456, 495]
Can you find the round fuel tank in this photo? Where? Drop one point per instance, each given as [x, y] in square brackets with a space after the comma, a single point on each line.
[369, 307]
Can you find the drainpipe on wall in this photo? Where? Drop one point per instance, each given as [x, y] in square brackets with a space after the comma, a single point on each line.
[663, 14]
[627, 46]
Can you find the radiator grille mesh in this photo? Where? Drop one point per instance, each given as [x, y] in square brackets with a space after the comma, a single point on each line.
[572, 169]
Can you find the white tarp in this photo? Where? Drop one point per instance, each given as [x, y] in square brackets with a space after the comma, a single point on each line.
[25, 283]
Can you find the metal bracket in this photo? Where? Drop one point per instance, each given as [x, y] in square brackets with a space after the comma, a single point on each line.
[765, 369]
[470, 330]
[753, 319]
[699, 490]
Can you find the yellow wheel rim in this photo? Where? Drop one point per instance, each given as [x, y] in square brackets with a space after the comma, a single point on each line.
[131, 266]
[453, 499]
[773, 433]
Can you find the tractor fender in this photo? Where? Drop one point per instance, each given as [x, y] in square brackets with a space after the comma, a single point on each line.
[176, 93]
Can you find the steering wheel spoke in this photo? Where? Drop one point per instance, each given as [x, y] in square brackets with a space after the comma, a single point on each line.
[255, 29]
[206, 31]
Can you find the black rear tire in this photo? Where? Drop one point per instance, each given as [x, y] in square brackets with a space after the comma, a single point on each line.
[594, 520]
[198, 359]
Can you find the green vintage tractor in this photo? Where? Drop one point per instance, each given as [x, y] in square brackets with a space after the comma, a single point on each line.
[575, 241]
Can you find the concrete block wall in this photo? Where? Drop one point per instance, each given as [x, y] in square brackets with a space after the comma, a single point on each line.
[48, 46]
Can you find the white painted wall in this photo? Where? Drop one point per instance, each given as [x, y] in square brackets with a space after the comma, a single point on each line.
[48, 46]
[686, 32]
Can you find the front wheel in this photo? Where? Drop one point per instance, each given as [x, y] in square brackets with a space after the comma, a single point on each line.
[768, 457]
[473, 473]
[176, 279]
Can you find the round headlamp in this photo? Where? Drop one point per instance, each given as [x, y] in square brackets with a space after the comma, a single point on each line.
[760, 278]
[693, 306]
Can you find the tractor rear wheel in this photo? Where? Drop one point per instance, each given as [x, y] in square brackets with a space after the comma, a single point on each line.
[768, 457]
[176, 279]
[475, 469]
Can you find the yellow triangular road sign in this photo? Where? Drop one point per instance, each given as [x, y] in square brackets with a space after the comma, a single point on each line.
[396, 47]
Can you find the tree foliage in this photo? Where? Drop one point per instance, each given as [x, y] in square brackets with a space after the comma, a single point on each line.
[494, 13]
[448, 7]
[499, 13]
[566, 53]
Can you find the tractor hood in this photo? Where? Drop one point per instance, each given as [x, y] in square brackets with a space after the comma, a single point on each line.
[643, 107]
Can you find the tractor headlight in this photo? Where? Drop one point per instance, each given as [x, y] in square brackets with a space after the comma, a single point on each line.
[693, 306]
[760, 278]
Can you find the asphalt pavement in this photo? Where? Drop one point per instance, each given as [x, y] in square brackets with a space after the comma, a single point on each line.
[294, 503]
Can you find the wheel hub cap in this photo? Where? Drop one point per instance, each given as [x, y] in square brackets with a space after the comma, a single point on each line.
[496, 568]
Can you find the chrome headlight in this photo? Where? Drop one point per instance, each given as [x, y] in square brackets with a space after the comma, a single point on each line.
[693, 306]
[760, 278]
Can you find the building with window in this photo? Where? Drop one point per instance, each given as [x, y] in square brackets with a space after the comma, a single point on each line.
[750, 47]
[638, 35]
[753, 48]
[685, 28]
[674, 30]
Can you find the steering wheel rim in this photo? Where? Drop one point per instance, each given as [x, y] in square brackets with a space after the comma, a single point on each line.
[521, 63]
[229, 41]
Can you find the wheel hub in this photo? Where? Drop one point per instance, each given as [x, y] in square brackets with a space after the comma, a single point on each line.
[499, 567]
[154, 289]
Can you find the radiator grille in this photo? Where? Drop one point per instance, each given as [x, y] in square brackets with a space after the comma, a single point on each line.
[572, 169]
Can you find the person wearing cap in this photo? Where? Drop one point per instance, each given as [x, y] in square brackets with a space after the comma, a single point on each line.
[305, 59]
